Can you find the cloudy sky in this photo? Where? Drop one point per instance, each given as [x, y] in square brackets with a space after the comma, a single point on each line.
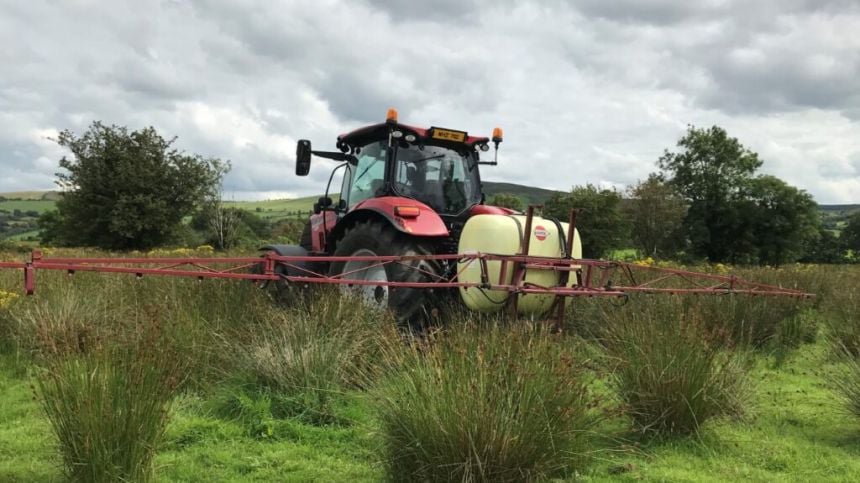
[587, 91]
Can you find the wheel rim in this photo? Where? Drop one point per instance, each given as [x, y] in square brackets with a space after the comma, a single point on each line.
[376, 295]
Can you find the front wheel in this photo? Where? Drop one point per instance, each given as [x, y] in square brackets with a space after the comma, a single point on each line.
[414, 308]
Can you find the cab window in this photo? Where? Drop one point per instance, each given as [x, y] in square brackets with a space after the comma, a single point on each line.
[367, 177]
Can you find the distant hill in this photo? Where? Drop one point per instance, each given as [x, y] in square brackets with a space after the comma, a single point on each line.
[31, 195]
[529, 194]
[845, 208]
[19, 210]
[835, 217]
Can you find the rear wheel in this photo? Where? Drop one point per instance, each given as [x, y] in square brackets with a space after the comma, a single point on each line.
[414, 307]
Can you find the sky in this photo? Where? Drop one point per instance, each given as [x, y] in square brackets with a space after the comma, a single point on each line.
[587, 91]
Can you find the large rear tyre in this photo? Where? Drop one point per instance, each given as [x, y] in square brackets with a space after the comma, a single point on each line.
[414, 308]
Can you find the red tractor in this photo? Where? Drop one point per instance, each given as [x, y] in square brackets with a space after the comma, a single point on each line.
[411, 228]
[405, 190]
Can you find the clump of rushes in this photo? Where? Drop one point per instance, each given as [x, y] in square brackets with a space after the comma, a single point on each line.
[843, 333]
[106, 386]
[485, 403]
[843, 314]
[673, 373]
[304, 357]
[847, 380]
[7, 299]
[755, 322]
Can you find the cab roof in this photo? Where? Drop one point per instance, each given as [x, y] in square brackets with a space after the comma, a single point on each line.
[375, 132]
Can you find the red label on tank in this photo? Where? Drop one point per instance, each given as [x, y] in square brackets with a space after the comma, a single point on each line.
[541, 233]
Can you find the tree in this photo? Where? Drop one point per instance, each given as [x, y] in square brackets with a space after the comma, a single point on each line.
[222, 223]
[127, 190]
[783, 219]
[711, 172]
[226, 227]
[506, 200]
[601, 225]
[656, 213]
[828, 248]
[851, 235]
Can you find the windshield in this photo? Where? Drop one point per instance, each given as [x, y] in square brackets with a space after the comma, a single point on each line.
[369, 173]
[440, 177]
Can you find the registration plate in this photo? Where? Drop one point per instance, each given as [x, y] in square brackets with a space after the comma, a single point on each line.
[448, 135]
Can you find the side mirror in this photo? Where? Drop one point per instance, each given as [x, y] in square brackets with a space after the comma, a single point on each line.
[324, 202]
[341, 204]
[303, 157]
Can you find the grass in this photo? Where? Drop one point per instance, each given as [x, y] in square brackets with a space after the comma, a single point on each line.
[105, 379]
[796, 432]
[486, 403]
[673, 372]
[795, 426]
[300, 362]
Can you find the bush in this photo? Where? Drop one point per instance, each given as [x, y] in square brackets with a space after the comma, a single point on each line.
[484, 404]
[673, 372]
[106, 389]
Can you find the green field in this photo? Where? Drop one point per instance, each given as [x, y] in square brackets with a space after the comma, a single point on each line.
[39, 206]
[274, 210]
[796, 432]
[31, 195]
[794, 426]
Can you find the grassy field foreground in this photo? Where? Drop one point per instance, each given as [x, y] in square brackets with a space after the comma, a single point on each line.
[271, 393]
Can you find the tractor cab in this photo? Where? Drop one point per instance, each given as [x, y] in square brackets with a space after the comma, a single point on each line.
[424, 181]
[440, 175]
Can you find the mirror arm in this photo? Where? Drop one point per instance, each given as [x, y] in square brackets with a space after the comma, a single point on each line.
[336, 155]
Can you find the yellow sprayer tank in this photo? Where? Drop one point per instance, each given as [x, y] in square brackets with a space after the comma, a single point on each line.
[503, 235]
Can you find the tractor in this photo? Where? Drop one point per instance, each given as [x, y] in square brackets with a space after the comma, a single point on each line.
[410, 230]
[404, 190]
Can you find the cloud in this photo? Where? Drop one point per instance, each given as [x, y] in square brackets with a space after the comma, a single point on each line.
[587, 91]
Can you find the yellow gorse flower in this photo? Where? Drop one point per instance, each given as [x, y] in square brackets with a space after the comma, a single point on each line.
[720, 268]
[6, 298]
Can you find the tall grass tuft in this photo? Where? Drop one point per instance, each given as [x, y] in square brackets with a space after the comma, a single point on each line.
[755, 322]
[847, 380]
[487, 403]
[768, 323]
[303, 358]
[105, 385]
[673, 372]
[843, 315]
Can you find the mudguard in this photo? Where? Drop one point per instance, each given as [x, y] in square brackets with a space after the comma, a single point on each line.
[427, 224]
